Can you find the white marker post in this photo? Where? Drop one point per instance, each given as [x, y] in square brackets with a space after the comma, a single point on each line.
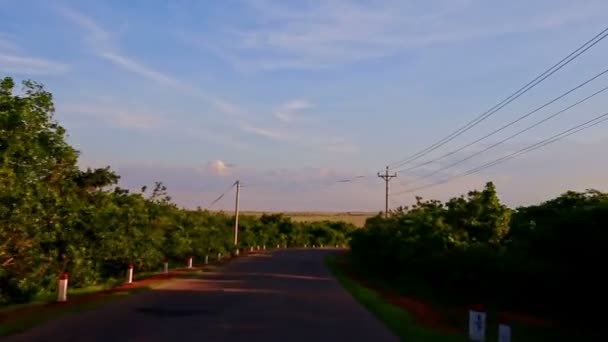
[278, 246]
[304, 245]
[219, 256]
[264, 247]
[62, 289]
[190, 262]
[504, 333]
[206, 259]
[257, 247]
[166, 267]
[477, 323]
[251, 248]
[130, 274]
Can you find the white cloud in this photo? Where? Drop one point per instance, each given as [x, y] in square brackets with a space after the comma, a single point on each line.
[219, 167]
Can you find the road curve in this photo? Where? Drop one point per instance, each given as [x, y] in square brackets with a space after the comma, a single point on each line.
[285, 295]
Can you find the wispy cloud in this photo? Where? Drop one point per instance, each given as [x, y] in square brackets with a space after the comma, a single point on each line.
[136, 119]
[30, 65]
[7, 43]
[289, 111]
[320, 34]
[101, 42]
[14, 60]
[104, 46]
[115, 115]
[297, 138]
[140, 69]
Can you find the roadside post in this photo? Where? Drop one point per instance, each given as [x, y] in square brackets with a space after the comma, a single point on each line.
[477, 323]
[62, 289]
[504, 333]
[130, 274]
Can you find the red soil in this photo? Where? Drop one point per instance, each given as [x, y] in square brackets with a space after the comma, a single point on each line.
[22, 312]
[448, 320]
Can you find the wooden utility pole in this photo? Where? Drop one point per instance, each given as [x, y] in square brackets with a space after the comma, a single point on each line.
[236, 217]
[387, 177]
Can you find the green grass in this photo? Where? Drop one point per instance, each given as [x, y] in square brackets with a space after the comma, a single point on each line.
[356, 218]
[38, 317]
[403, 325]
[398, 320]
[45, 298]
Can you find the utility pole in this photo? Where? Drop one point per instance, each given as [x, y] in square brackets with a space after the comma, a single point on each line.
[236, 217]
[387, 177]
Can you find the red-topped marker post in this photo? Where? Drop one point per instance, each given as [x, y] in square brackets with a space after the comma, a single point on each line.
[62, 289]
[130, 274]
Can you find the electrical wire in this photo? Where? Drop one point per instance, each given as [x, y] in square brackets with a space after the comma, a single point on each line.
[588, 124]
[540, 78]
[508, 124]
[220, 196]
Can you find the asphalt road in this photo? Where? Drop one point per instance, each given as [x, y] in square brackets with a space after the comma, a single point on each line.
[286, 295]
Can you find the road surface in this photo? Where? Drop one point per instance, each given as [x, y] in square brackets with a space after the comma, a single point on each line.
[285, 295]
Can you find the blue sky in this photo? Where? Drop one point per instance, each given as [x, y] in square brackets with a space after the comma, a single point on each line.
[290, 96]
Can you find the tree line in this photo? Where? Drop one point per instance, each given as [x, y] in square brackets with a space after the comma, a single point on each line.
[56, 218]
[544, 259]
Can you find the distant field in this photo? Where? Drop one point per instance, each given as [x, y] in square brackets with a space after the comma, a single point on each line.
[356, 218]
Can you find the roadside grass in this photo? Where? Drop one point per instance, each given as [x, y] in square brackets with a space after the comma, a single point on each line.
[398, 320]
[403, 324]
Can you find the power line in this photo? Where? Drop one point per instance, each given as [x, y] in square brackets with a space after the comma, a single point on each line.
[540, 78]
[221, 196]
[508, 124]
[350, 180]
[516, 134]
[517, 120]
[588, 124]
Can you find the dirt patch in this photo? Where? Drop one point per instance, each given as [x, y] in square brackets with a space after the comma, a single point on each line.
[138, 285]
[429, 315]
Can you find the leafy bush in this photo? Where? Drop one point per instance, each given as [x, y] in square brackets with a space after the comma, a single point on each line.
[543, 258]
[56, 218]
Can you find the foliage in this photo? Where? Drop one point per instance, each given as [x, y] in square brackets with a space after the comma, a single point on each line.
[56, 218]
[543, 258]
